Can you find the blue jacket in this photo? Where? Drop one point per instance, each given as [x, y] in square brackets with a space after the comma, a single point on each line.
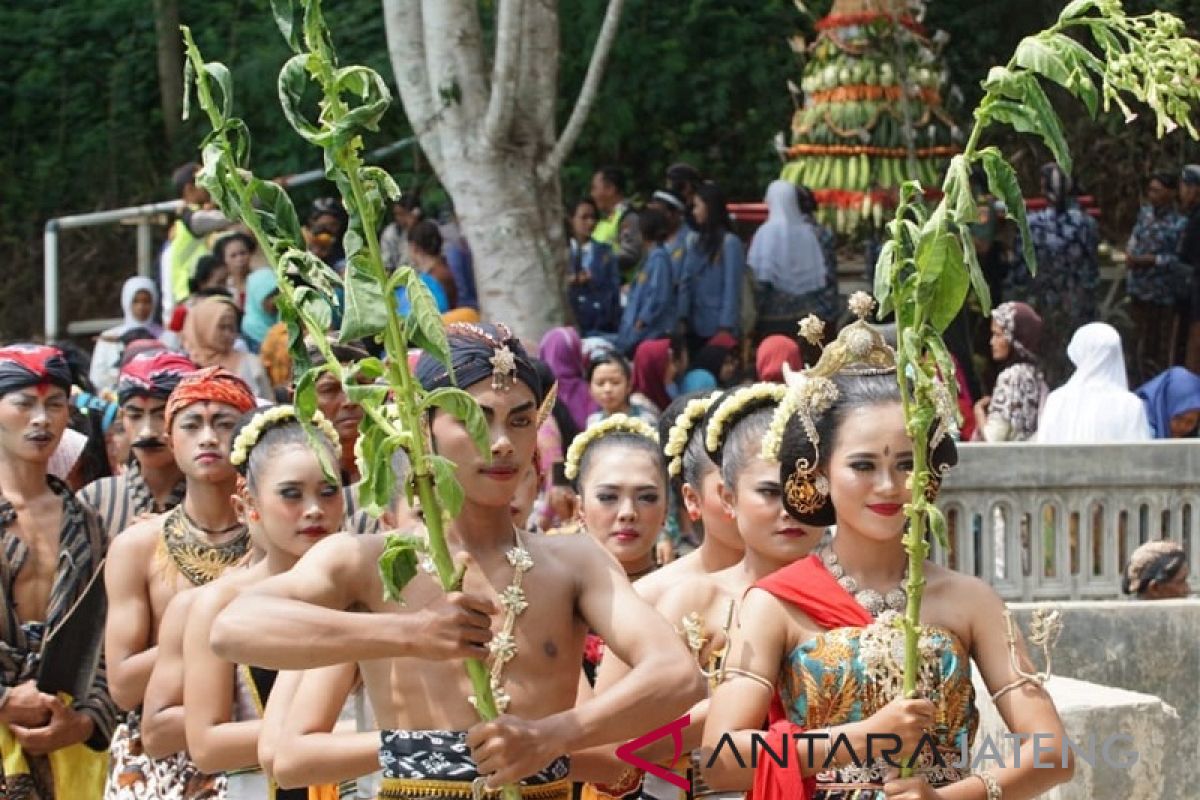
[713, 289]
[596, 301]
[651, 303]
[459, 259]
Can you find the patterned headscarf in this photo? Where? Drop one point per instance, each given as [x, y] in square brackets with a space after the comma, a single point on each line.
[25, 365]
[1022, 327]
[152, 375]
[213, 384]
[1153, 562]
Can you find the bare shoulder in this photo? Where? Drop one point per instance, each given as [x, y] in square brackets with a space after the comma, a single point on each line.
[138, 540]
[179, 606]
[654, 586]
[950, 586]
[696, 593]
[209, 599]
[350, 554]
[571, 549]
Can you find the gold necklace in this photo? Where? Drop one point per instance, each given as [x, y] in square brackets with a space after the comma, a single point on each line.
[196, 559]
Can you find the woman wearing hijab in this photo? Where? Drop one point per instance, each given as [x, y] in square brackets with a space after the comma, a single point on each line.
[1157, 570]
[1095, 405]
[139, 297]
[261, 288]
[713, 366]
[1172, 403]
[653, 371]
[773, 352]
[1010, 414]
[788, 263]
[562, 350]
[210, 333]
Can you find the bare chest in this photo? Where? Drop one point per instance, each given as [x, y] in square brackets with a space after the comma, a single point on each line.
[541, 678]
[38, 527]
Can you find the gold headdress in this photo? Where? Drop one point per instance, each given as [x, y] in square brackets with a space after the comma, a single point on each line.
[859, 349]
[615, 423]
[681, 432]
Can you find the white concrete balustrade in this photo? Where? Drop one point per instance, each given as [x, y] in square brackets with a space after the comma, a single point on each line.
[1058, 522]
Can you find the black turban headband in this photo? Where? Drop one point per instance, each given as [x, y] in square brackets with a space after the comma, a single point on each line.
[474, 351]
[25, 365]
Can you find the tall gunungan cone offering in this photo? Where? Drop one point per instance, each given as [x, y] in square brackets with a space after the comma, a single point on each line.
[870, 59]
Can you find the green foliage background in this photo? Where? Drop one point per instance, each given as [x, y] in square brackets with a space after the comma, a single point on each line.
[696, 80]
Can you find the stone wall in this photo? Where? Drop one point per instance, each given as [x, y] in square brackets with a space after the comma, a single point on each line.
[1151, 650]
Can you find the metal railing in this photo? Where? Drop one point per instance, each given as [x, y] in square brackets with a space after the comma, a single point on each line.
[143, 216]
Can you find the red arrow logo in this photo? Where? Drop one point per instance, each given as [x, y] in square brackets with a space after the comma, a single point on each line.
[626, 752]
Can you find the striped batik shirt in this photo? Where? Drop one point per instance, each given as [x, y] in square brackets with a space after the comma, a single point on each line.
[119, 501]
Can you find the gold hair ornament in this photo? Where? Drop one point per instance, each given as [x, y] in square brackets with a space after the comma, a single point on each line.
[681, 431]
[248, 436]
[617, 423]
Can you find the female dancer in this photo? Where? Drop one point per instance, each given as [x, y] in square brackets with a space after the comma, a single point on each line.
[290, 503]
[819, 648]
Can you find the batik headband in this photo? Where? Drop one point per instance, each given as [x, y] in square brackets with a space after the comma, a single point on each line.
[25, 365]
[153, 374]
[214, 385]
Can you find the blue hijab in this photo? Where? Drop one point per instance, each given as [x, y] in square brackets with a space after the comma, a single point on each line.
[1174, 392]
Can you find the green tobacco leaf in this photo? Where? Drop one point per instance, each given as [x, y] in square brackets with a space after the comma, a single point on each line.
[937, 526]
[1077, 8]
[366, 393]
[1041, 55]
[399, 563]
[424, 328]
[975, 271]
[220, 73]
[1005, 82]
[1003, 183]
[943, 278]
[365, 312]
[462, 407]
[302, 267]
[1051, 128]
[374, 451]
[276, 211]
[449, 493]
[286, 20]
[314, 309]
[305, 399]
[292, 80]
[368, 369]
[885, 267]
[959, 196]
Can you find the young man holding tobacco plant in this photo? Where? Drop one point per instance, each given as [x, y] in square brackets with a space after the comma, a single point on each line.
[526, 604]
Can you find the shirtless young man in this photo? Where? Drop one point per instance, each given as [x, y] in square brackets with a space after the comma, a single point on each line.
[153, 482]
[435, 742]
[159, 557]
[52, 547]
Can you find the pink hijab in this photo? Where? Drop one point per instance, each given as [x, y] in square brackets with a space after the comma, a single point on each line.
[562, 350]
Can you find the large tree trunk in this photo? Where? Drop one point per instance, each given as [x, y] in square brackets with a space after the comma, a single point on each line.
[493, 143]
[170, 67]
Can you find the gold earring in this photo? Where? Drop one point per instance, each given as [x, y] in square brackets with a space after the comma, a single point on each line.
[807, 492]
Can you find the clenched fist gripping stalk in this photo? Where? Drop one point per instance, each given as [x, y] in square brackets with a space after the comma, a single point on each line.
[527, 602]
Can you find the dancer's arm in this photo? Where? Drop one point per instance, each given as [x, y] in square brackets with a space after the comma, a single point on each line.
[129, 628]
[298, 620]
[1027, 709]
[309, 751]
[162, 710]
[215, 742]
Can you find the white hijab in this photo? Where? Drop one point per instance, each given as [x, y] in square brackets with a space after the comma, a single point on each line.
[786, 252]
[138, 283]
[1095, 405]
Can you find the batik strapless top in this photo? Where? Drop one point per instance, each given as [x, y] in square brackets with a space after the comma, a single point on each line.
[847, 674]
